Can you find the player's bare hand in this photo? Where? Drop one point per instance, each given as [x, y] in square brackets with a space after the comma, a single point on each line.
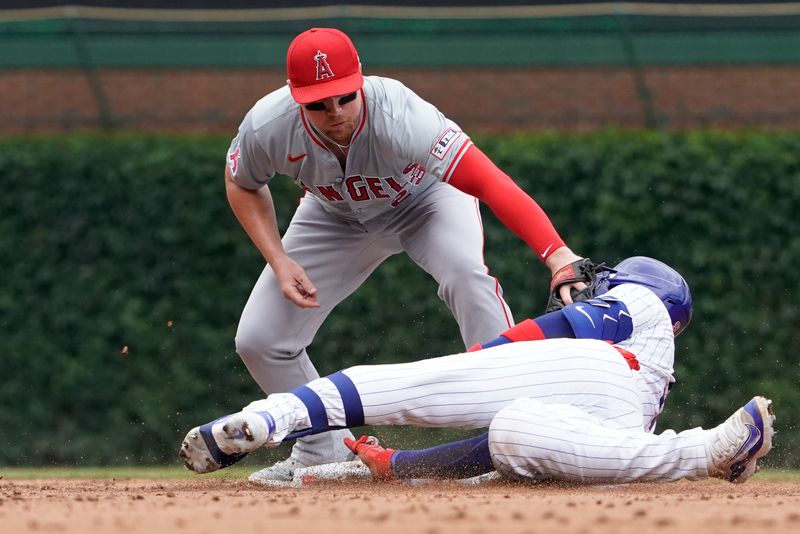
[567, 291]
[295, 284]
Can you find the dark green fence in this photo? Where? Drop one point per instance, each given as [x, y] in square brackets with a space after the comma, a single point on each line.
[124, 273]
[626, 36]
[611, 33]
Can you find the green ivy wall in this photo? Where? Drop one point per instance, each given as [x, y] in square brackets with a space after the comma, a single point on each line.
[124, 273]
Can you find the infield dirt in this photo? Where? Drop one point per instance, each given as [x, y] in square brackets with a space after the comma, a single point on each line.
[222, 505]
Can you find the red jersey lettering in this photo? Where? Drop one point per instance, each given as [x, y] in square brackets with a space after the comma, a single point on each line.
[393, 184]
[401, 196]
[329, 193]
[376, 187]
[233, 160]
[356, 188]
[415, 172]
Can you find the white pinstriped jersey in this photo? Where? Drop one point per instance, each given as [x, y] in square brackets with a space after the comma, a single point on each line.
[653, 343]
[402, 146]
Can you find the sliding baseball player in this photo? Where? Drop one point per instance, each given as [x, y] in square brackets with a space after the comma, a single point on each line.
[571, 395]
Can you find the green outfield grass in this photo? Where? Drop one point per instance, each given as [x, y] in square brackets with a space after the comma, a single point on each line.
[175, 473]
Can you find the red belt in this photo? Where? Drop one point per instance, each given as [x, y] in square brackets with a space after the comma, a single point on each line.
[630, 357]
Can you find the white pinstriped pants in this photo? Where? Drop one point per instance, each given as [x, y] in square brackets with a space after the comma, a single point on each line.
[557, 441]
[565, 409]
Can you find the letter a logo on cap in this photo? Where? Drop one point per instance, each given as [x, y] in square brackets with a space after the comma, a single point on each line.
[323, 69]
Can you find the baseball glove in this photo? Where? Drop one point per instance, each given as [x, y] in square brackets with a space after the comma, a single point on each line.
[582, 270]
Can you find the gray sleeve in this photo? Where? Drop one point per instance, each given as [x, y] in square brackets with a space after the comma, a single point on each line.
[428, 137]
[247, 159]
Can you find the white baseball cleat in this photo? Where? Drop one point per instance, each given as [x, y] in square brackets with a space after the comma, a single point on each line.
[279, 474]
[735, 446]
[196, 453]
[322, 449]
[243, 432]
[225, 441]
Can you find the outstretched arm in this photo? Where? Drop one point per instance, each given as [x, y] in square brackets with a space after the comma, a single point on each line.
[476, 175]
[606, 319]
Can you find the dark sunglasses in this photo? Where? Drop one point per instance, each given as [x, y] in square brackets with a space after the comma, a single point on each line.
[320, 106]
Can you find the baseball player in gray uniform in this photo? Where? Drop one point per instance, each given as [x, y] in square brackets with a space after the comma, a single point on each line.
[384, 172]
[571, 395]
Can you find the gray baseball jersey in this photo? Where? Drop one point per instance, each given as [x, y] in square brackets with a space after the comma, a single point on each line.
[401, 146]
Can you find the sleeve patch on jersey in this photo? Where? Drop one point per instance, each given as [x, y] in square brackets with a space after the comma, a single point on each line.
[233, 159]
[443, 144]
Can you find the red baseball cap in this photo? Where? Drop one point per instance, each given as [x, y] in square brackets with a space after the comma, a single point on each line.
[321, 63]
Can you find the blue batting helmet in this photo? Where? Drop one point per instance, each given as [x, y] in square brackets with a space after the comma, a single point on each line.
[657, 276]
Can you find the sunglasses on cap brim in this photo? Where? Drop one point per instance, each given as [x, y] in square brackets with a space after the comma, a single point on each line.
[320, 106]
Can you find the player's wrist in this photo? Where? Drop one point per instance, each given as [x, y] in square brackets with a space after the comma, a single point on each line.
[280, 262]
[559, 258]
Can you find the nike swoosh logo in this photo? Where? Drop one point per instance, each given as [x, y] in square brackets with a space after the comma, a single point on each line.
[295, 159]
[547, 250]
[752, 439]
[580, 309]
